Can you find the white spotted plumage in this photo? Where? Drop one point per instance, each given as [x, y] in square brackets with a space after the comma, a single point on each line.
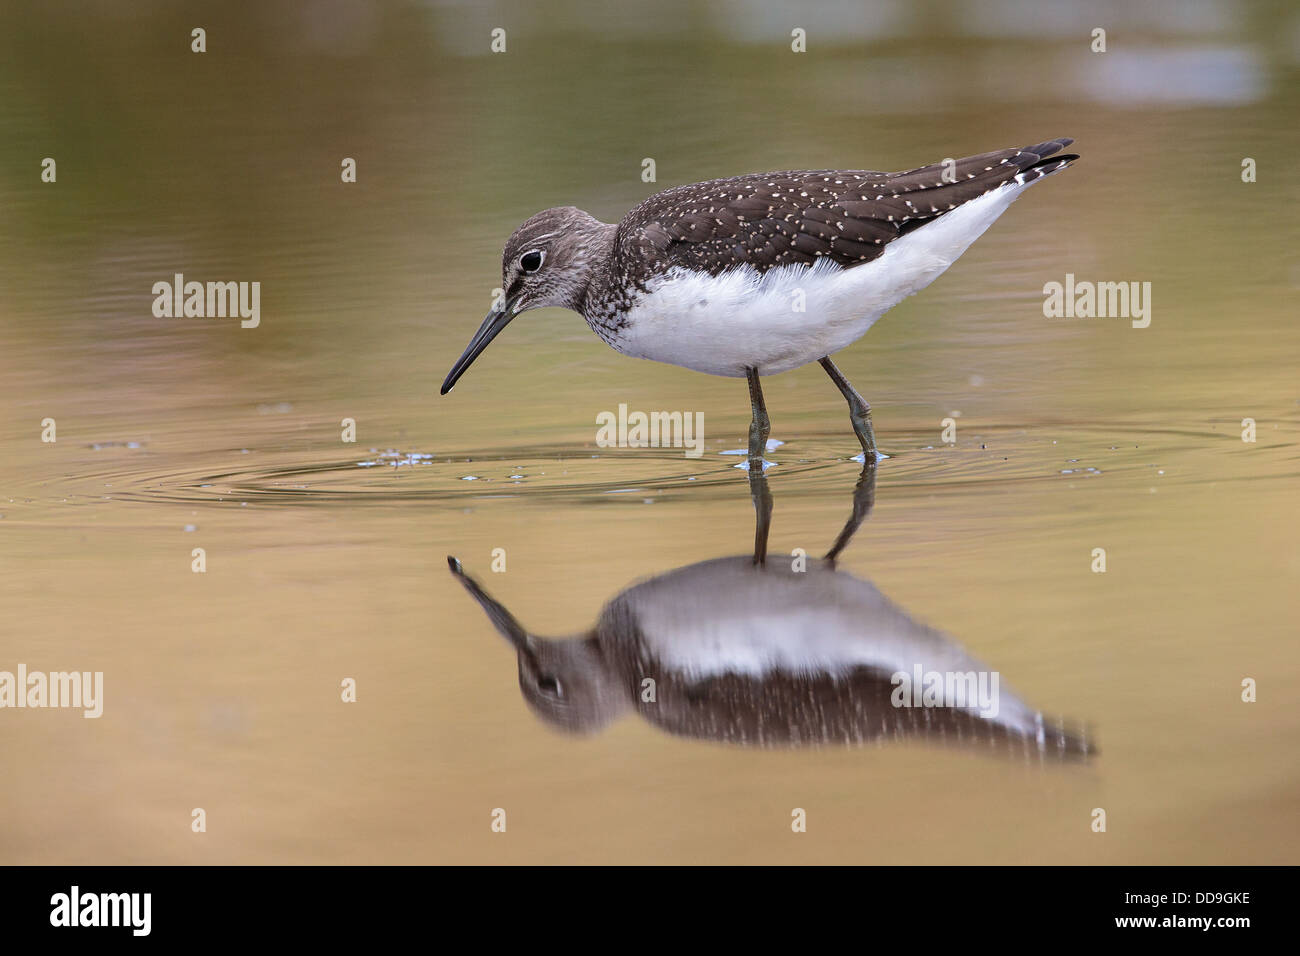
[742, 319]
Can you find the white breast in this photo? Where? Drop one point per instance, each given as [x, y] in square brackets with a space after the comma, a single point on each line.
[743, 319]
[724, 616]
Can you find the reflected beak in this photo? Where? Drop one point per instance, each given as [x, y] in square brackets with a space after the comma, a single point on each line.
[502, 619]
[496, 321]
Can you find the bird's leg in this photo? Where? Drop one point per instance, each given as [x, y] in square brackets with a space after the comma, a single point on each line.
[759, 427]
[859, 410]
[864, 497]
[758, 490]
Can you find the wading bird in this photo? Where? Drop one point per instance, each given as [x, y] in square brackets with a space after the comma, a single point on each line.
[705, 276]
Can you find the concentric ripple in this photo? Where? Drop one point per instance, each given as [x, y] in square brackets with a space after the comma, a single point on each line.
[1000, 454]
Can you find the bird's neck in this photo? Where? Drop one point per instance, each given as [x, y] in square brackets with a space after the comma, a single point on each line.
[597, 254]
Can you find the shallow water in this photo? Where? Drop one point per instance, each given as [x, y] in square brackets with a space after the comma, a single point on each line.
[327, 560]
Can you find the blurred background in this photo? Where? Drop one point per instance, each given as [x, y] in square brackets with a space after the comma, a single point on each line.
[326, 560]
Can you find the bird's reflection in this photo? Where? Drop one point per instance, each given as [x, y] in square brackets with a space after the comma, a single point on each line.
[775, 652]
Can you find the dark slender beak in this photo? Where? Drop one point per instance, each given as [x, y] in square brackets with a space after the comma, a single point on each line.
[503, 620]
[496, 321]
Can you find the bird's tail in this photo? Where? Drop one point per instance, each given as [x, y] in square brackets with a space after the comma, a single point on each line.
[1039, 160]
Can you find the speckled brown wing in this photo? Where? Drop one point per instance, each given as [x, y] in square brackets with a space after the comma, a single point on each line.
[851, 708]
[782, 218]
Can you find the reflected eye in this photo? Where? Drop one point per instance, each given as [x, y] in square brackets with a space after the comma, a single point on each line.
[549, 685]
[531, 261]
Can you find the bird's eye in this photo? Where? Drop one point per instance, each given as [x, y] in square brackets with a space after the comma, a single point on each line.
[531, 261]
[549, 685]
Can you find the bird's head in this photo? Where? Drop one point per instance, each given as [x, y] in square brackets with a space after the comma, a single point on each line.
[569, 684]
[566, 682]
[548, 261]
